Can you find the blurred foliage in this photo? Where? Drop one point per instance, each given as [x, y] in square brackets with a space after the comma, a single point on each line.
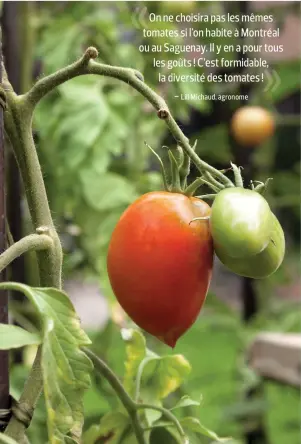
[211, 387]
[90, 136]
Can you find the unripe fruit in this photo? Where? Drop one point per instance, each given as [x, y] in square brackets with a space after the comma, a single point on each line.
[263, 264]
[241, 222]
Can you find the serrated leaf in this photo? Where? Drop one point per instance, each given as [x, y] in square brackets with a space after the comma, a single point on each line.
[165, 374]
[104, 192]
[160, 376]
[12, 336]
[185, 401]
[85, 113]
[4, 439]
[65, 367]
[110, 429]
[194, 425]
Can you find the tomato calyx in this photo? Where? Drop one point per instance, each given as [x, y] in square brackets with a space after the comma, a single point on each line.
[175, 171]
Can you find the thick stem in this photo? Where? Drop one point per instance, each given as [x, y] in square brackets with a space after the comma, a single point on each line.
[28, 243]
[18, 128]
[126, 400]
[18, 122]
[30, 395]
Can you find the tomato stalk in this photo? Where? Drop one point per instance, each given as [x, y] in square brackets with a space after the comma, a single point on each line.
[86, 65]
[191, 189]
[18, 128]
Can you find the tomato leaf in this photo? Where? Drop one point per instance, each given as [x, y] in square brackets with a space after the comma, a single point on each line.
[12, 336]
[185, 401]
[65, 367]
[110, 429]
[165, 374]
[194, 425]
[106, 191]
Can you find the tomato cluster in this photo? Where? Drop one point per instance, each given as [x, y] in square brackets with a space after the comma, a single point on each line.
[161, 252]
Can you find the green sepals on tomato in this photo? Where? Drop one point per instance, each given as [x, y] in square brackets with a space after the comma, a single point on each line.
[260, 265]
[160, 262]
[241, 222]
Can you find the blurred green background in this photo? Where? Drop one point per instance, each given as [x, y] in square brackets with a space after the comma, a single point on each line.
[90, 136]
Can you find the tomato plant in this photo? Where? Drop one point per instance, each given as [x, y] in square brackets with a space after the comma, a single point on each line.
[241, 222]
[160, 262]
[252, 125]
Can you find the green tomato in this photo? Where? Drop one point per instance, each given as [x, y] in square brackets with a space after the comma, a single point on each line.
[263, 264]
[241, 222]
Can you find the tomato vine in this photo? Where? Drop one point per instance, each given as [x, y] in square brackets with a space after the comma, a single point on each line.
[45, 241]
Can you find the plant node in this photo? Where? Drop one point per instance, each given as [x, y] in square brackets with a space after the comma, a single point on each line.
[43, 230]
[163, 113]
[91, 53]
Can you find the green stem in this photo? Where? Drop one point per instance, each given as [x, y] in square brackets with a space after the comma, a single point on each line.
[207, 196]
[164, 176]
[185, 168]
[30, 395]
[175, 175]
[190, 190]
[124, 397]
[28, 243]
[167, 415]
[132, 77]
[139, 375]
[27, 34]
[213, 181]
[18, 127]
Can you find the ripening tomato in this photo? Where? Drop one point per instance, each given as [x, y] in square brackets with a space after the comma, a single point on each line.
[263, 264]
[241, 222]
[160, 263]
[251, 125]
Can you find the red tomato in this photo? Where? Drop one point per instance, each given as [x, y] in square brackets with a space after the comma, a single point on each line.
[160, 264]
